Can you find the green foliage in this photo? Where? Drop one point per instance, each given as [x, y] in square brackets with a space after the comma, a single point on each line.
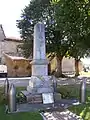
[20, 98]
[33, 13]
[67, 92]
[67, 27]
[27, 48]
[3, 98]
[39, 10]
[43, 11]
[72, 16]
[83, 109]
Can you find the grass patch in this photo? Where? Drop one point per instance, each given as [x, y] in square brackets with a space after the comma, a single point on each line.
[73, 91]
[85, 73]
[16, 116]
[2, 96]
[19, 116]
[82, 110]
[69, 91]
[20, 88]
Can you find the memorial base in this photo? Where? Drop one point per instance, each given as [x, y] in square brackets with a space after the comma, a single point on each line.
[59, 106]
[40, 84]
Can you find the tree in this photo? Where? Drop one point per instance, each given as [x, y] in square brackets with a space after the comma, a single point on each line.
[66, 25]
[77, 52]
[74, 17]
[27, 48]
[44, 11]
[30, 16]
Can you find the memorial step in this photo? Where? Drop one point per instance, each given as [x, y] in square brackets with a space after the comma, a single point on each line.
[37, 98]
[32, 98]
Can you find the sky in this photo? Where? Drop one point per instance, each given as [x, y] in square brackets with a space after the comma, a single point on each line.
[10, 11]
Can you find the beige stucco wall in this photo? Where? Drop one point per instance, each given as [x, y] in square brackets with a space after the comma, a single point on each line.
[17, 66]
[68, 65]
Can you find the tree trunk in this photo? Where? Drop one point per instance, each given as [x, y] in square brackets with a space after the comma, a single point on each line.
[59, 66]
[49, 68]
[76, 67]
[51, 57]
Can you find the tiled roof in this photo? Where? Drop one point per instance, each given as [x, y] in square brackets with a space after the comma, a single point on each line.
[15, 57]
[13, 39]
[3, 37]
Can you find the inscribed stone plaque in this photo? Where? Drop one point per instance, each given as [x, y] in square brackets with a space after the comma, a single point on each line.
[47, 98]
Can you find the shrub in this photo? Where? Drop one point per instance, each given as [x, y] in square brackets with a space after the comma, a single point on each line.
[70, 91]
[20, 98]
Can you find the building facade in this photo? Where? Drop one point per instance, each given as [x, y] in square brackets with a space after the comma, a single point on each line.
[8, 46]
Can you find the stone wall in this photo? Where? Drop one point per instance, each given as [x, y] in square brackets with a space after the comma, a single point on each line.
[9, 46]
[68, 65]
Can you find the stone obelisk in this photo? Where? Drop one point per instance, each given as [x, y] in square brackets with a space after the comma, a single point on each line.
[40, 81]
[39, 63]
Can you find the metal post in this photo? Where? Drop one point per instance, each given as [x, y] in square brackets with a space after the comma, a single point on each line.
[12, 98]
[6, 87]
[54, 83]
[83, 91]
